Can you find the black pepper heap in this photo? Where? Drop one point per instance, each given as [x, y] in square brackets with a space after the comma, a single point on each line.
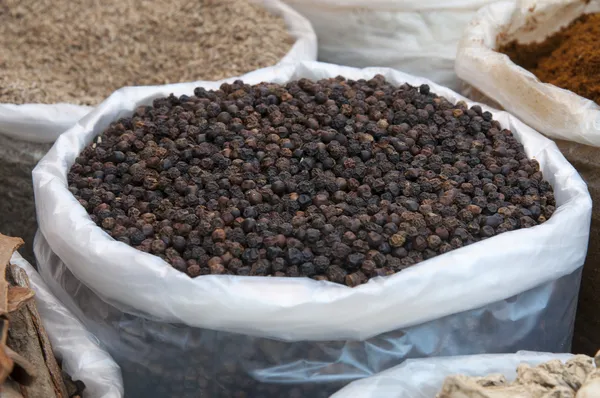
[335, 180]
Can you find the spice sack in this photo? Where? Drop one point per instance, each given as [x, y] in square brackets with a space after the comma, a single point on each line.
[416, 37]
[538, 35]
[228, 335]
[553, 111]
[423, 378]
[82, 356]
[100, 58]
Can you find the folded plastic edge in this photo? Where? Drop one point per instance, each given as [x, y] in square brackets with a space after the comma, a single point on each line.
[41, 123]
[389, 5]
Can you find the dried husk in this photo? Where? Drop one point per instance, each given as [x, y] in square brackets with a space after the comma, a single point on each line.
[579, 377]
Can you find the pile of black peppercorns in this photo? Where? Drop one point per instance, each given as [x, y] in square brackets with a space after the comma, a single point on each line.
[336, 180]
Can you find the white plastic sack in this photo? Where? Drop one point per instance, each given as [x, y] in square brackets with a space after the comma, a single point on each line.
[555, 112]
[43, 123]
[513, 291]
[82, 357]
[423, 378]
[417, 37]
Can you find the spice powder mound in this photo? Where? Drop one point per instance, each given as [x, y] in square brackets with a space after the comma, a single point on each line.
[569, 59]
[79, 52]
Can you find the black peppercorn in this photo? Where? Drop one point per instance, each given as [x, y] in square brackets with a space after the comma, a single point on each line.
[336, 180]
[249, 225]
[294, 256]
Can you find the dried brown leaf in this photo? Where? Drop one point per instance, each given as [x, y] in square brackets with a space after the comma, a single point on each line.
[27, 334]
[23, 371]
[18, 296]
[8, 245]
[6, 364]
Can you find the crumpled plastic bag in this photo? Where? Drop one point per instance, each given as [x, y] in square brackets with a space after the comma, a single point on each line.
[551, 110]
[82, 356]
[521, 290]
[417, 37]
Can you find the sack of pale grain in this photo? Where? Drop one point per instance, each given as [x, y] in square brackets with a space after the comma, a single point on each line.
[132, 44]
[231, 334]
[42, 95]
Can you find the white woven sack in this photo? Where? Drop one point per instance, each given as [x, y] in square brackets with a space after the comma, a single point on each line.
[296, 309]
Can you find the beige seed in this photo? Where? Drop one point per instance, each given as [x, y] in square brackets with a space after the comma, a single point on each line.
[81, 51]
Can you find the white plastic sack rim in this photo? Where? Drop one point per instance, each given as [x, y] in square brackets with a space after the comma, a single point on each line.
[82, 357]
[553, 111]
[43, 123]
[302, 308]
[391, 5]
[423, 378]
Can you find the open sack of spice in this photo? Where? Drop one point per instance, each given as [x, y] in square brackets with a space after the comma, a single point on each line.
[418, 37]
[135, 43]
[539, 60]
[304, 226]
[521, 375]
[36, 328]
[550, 81]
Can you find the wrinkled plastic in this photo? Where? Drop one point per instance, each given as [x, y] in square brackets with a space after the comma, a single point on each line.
[417, 37]
[82, 357]
[553, 111]
[539, 319]
[423, 378]
[513, 291]
[43, 123]
[40, 123]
